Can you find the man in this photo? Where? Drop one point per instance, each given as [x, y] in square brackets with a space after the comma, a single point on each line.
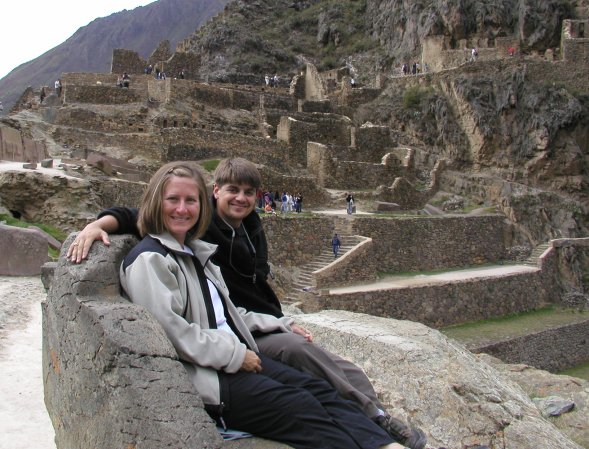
[335, 245]
[242, 255]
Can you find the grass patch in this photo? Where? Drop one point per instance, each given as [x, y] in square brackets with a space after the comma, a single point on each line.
[538, 313]
[383, 274]
[211, 165]
[581, 371]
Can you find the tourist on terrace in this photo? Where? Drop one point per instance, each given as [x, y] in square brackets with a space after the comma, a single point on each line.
[242, 255]
[126, 79]
[170, 273]
[350, 203]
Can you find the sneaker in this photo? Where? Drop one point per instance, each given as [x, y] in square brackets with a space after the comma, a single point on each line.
[413, 438]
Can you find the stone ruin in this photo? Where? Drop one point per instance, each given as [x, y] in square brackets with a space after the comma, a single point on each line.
[112, 378]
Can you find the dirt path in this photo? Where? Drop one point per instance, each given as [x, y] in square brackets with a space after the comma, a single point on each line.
[24, 422]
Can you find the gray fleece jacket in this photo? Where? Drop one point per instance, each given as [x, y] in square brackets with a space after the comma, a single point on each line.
[161, 276]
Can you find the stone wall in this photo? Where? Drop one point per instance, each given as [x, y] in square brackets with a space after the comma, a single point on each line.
[446, 304]
[553, 350]
[440, 54]
[433, 243]
[315, 88]
[576, 50]
[372, 143]
[118, 121]
[129, 61]
[313, 195]
[197, 144]
[111, 376]
[298, 129]
[352, 175]
[313, 235]
[133, 147]
[228, 97]
[15, 147]
[355, 261]
[101, 94]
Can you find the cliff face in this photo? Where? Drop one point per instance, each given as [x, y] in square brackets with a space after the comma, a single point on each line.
[513, 134]
[371, 34]
[401, 25]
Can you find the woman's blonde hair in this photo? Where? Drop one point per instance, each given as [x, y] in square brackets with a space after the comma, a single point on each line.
[151, 219]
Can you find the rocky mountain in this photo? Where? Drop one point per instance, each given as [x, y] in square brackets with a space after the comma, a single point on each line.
[369, 35]
[90, 48]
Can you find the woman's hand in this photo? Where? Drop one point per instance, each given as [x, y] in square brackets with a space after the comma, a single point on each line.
[302, 331]
[251, 363]
[97, 230]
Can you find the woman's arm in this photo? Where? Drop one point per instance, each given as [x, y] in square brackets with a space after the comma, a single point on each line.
[115, 220]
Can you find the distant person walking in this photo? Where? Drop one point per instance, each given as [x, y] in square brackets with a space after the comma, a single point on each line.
[335, 245]
[474, 53]
[350, 201]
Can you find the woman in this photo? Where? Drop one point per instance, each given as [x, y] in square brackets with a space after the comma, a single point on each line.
[170, 273]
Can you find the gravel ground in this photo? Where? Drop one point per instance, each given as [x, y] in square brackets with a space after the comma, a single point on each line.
[24, 422]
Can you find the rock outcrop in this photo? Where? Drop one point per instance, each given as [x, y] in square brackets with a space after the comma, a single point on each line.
[23, 251]
[112, 379]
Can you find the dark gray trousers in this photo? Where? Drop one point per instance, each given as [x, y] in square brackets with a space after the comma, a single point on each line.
[287, 405]
[348, 379]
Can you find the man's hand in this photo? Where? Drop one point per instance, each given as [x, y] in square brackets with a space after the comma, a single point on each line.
[251, 363]
[97, 230]
[302, 331]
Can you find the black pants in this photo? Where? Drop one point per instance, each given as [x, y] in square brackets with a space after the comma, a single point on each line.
[287, 405]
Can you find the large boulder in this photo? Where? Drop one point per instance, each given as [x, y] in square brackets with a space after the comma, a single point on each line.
[24, 251]
[436, 384]
[112, 378]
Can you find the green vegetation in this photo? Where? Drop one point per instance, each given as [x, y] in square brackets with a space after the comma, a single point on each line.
[270, 48]
[513, 325]
[581, 371]
[56, 233]
[414, 97]
[210, 165]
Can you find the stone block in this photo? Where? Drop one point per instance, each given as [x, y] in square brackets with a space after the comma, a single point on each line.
[47, 163]
[23, 251]
[101, 162]
[382, 206]
[111, 376]
[30, 165]
[51, 241]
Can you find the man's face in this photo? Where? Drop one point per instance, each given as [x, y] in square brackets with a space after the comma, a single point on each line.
[234, 202]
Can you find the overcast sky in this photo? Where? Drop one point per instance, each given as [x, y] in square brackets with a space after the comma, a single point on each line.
[30, 28]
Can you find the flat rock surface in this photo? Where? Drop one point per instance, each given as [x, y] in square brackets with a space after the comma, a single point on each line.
[24, 422]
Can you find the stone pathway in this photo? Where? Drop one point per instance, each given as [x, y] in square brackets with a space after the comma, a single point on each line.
[404, 281]
[24, 422]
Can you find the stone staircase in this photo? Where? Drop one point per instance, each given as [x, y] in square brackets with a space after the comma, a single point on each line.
[533, 258]
[305, 280]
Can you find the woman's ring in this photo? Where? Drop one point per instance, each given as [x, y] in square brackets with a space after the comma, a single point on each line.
[75, 244]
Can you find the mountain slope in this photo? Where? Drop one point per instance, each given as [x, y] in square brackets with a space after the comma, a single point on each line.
[90, 48]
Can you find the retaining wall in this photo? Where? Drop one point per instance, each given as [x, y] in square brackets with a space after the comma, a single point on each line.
[433, 243]
[553, 350]
[445, 304]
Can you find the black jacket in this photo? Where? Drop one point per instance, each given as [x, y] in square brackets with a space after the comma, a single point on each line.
[244, 267]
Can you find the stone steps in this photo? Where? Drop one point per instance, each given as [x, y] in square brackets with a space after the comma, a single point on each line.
[305, 280]
[536, 253]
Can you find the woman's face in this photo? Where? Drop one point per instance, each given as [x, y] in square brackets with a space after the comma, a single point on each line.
[181, 206]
